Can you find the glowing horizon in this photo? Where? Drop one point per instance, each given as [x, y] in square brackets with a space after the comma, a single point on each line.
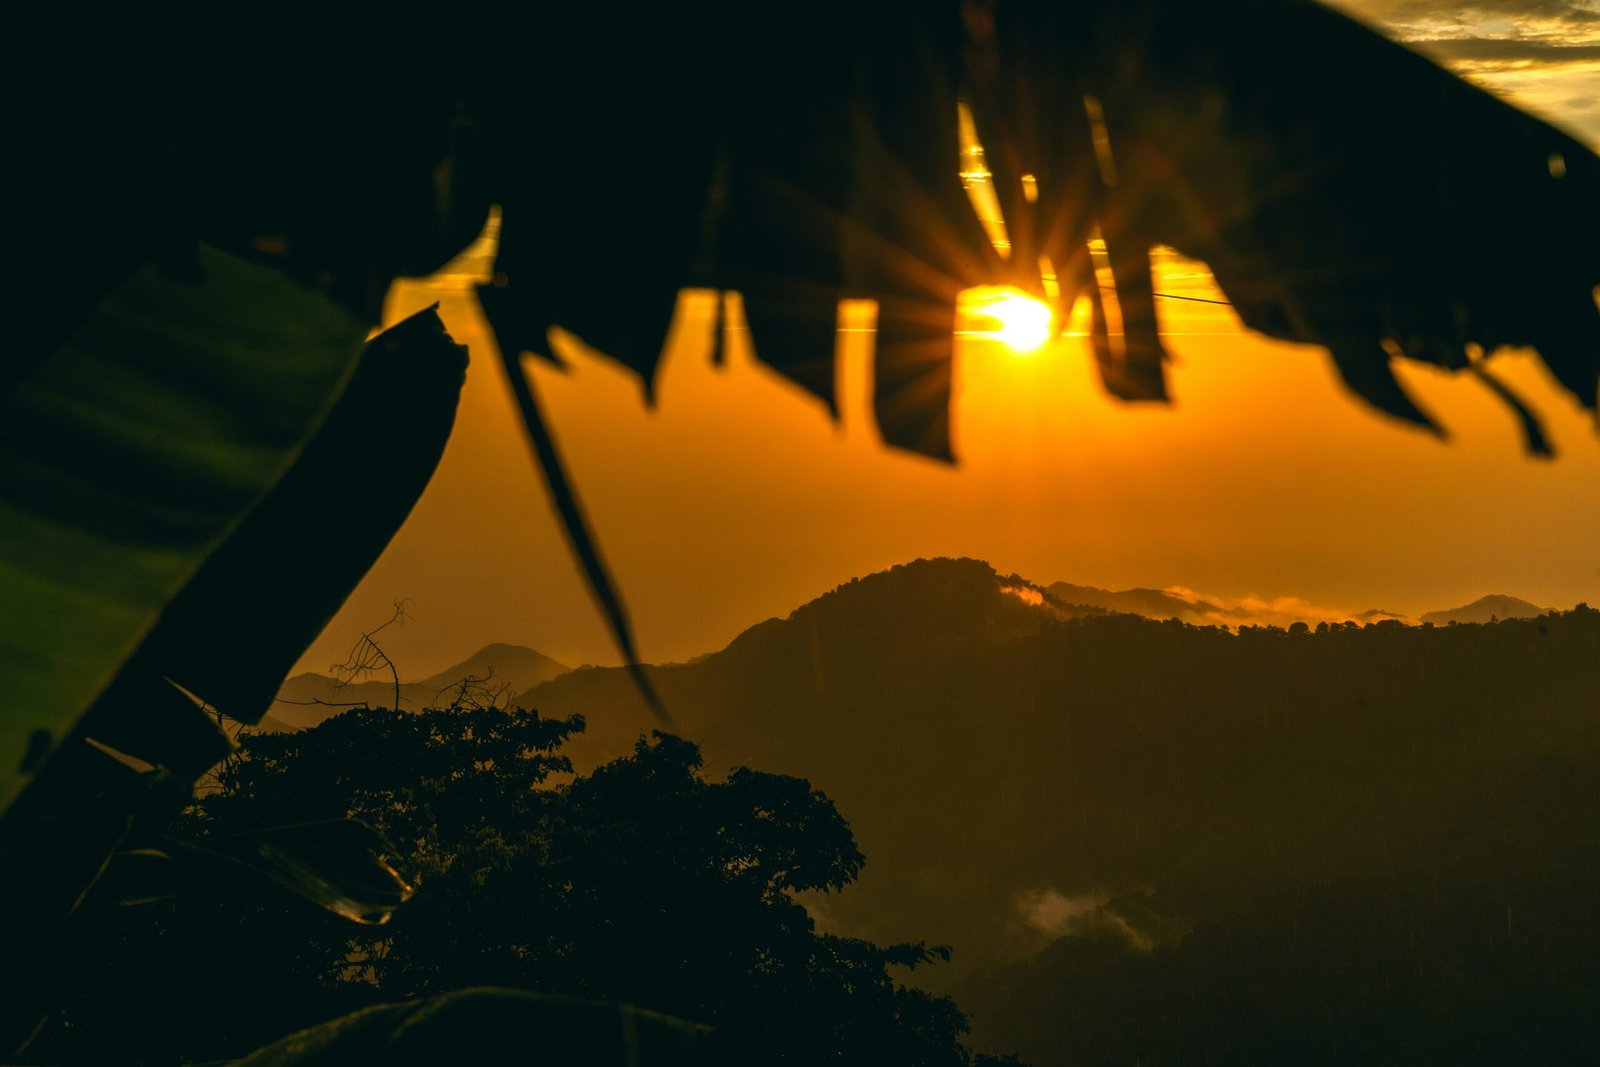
[738, 497]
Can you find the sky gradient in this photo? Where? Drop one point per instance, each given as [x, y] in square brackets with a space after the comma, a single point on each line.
[1264, 483]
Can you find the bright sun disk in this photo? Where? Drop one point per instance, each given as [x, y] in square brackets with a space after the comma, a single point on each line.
[1009, 316]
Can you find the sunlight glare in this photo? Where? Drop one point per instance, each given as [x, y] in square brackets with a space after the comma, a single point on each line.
[1010, 316]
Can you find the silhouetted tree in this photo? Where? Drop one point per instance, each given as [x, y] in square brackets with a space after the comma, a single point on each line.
[642, 883]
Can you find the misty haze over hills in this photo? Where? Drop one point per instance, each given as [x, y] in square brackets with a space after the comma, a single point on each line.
[1151, 603]
[1141, 836]
[1192, 607]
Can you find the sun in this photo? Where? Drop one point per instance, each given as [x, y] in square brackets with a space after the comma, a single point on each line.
[1010, 316]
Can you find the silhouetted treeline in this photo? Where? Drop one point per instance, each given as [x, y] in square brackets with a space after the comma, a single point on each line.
[641, 883]
[1144, 840]
[1149, 840]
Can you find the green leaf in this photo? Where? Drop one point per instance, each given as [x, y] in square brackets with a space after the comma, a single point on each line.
[263, 596]
[128, 455]
[488, 1025]
[226, 640]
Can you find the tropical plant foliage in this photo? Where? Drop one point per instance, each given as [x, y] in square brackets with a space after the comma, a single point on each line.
[503, 1023]
[642, 883]
[159, 469]
[130, 454]
[1340, 187]
[213, 201]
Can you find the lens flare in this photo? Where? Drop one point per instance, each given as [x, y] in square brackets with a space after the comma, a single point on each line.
[1007, 315]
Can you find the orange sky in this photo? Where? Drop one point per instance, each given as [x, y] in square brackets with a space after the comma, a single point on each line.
[738, 499]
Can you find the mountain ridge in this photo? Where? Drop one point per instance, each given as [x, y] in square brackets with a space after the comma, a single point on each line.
[1079, 800]
[497, 669]
[309, 697]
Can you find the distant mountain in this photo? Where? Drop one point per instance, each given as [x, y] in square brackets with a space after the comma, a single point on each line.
[307, 699]
[1146, 838]
[1495, 606]
[1179, 604]
[1151, 603]
[271, 724]
[516, 665]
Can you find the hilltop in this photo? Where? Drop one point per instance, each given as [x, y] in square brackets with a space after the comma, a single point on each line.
[1487, 609]
[854, 644]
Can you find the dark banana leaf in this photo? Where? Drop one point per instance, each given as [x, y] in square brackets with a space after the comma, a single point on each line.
[224, 639]
[185, 510]
[487, 1025]
[128, 456]
[330, 155]
[55, 895]
[336, 864]
[687, 153]
[272, 586]
[60, 887]
[322, 138]
[1346, 192]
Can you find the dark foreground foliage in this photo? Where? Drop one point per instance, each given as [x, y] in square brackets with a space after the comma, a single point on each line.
[492, 1024]
[641, 883]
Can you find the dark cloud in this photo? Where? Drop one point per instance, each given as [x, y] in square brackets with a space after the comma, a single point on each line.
[1403, 12]
[1501, 50]
[1543, 55]
[1547, 22]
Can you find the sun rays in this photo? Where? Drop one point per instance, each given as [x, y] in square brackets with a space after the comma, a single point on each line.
[1007, 315]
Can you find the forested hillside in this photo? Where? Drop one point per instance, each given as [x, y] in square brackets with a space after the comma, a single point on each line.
[1383, 832]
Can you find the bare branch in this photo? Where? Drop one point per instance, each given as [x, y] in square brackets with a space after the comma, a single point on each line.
[367, 657]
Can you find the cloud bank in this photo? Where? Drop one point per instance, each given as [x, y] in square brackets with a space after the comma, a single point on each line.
[1283, 611]
[1542, 55]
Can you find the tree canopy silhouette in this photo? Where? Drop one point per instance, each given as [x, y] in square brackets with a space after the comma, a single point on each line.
[641, 883]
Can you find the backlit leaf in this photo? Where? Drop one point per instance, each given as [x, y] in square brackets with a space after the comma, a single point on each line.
[128, 455]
